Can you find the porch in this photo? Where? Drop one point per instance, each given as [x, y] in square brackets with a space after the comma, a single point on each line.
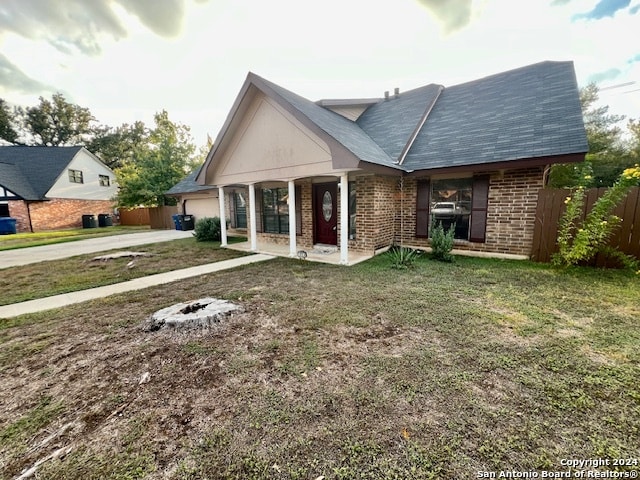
[319, 253]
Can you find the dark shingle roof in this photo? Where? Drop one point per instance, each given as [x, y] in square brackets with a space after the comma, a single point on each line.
[30, 172]
[532, 111]
[188, 185]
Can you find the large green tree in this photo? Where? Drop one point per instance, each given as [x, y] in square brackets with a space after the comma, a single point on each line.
[7, 131]
[156, 165]
[608, 153]
[57, 122]
[117, 146]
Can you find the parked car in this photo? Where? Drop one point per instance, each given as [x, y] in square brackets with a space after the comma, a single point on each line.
[444, 211]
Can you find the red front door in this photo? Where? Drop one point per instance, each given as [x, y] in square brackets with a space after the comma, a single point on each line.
[325, 211]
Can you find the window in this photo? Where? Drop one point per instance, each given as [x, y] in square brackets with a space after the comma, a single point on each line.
[104, 180]
[4, 210]
[450, 205]
[240, 210]
[75, 176]
[275, 211]
[458, 202]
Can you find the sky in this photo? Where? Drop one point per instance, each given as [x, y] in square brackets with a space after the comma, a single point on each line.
[127, 59]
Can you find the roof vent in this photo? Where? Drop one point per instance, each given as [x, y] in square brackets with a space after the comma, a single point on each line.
[386, 95]
[396, 92]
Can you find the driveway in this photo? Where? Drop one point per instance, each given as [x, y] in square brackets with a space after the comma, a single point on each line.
[24, 256]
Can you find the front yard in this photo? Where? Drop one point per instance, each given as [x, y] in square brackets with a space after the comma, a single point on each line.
[442, 371]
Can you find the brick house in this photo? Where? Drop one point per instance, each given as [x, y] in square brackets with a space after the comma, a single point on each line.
[360, 175]
[47, 188]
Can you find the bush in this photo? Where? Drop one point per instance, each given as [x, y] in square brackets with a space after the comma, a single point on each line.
[403, 257]
[442, 242]
[207, 229]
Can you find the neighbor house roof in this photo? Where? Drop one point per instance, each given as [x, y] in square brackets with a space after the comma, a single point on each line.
[30, 172]
[532, 112]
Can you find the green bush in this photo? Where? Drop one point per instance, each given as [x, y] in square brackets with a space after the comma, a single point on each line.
[442, 242]
[403, 257]
[207, 229]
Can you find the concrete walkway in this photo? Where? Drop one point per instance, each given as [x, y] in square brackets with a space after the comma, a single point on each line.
[65, 299]
[24, 256]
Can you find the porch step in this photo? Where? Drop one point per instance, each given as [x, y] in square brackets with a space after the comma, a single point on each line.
[322, 249]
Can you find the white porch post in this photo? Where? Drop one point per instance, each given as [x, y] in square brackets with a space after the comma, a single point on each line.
[344, 219]
[223, 218]
[293, 250]
[252, 216]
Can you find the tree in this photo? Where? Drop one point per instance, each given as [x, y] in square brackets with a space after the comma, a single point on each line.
[7, 130]
[116, 146]
[155, 166]
[57, 122]
[607, 156]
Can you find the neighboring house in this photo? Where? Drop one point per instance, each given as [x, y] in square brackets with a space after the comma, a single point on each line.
[193, 199]
[363, 174]
[48, 188]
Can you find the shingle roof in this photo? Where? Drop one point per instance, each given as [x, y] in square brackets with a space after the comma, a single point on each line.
[188, 185]
[532, 111]
[30, 172]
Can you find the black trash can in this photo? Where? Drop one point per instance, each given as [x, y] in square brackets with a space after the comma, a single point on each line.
[7, 225]
[187, 222]
[89, 221]
[105, 220]
[176, 221]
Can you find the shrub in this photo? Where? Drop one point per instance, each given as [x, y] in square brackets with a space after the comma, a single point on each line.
[403, 257]
[581, 242]
[442, 242]
[207, 229]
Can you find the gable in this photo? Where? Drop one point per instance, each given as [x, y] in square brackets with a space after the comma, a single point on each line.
[90, 189]
[270, 144]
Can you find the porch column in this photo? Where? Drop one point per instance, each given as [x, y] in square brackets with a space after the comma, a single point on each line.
[293, 250]
[344, 219]
[252, 217]
[223, 218]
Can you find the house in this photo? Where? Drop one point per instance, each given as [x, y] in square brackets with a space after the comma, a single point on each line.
[193, 199]
[48, 188]
[362, 174]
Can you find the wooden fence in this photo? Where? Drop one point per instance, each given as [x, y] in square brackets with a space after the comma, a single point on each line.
[551, 206]
[156, 217]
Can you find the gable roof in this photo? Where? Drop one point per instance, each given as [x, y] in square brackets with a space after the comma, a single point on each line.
[30, 172]
[532, 112]
[188, 185]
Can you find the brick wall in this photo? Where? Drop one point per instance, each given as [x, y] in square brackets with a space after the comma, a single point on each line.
[18, 210]
[513, 196]
[60, 213]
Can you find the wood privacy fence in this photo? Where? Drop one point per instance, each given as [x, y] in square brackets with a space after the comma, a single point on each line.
[551, 206]
[156, 217]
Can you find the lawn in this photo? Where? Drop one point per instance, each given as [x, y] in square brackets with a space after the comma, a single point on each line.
[440, 371]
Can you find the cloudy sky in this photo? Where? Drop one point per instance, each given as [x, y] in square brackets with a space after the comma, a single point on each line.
[126, 59]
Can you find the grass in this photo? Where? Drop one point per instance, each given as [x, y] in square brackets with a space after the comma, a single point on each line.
[40, 280]
[23, 240]
[438, 371]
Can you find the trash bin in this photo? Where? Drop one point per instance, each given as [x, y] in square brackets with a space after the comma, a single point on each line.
[7, 225]
[89, 221]
[176, 221]
[187, 222]
[105, 220]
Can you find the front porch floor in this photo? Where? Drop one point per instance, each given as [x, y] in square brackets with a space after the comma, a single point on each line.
[313, 255]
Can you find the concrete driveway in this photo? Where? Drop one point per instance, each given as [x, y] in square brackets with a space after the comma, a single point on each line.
[24, 256]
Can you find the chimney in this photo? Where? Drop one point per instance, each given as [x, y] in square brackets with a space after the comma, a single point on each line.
[396, 92]
[386, 95]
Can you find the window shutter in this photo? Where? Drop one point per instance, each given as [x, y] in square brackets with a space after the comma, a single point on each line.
[479, 203]
[258, 210]
[422, 208]
[298, 210]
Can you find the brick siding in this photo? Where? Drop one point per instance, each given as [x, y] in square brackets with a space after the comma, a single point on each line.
[57, 213]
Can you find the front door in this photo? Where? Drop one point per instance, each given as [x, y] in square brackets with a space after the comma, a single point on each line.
[325, 211]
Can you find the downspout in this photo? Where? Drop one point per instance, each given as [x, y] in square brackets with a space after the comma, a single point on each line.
[27, 203]
[413, 136]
